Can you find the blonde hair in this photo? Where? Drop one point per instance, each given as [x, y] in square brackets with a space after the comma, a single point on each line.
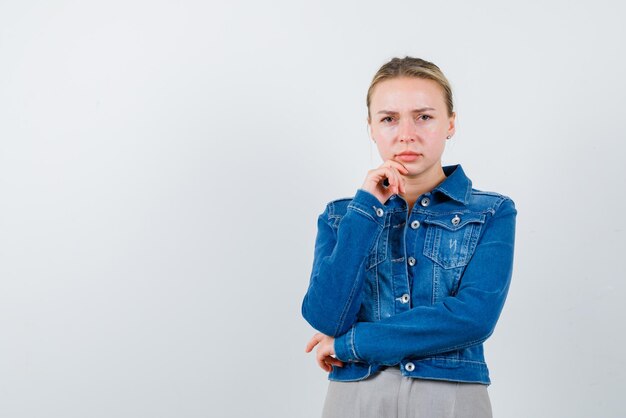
[412, 67]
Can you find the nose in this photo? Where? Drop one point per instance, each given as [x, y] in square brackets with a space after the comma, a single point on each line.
[406, 130]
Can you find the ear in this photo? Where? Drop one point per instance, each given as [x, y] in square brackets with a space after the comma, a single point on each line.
[452, 125]
[369, 128]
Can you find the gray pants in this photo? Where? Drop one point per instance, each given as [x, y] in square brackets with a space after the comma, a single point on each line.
[389, 394]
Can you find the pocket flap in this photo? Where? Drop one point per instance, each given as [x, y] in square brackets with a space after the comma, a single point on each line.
[455, 221]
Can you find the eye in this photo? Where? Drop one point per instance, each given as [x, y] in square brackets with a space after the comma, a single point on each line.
[387, 119]
[425, 116]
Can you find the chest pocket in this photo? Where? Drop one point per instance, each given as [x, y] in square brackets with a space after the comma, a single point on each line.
[451, 238]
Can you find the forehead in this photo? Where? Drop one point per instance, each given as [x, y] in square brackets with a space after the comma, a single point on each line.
[407, 91]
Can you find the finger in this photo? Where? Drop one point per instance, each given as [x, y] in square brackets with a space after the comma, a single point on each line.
[323, 365]
[396, 182]
[312, 343]
[325, 359]
[402, 183]
[394, 178]
[401, 167]
[330, 361]
[393, 168]
[398, 165]
[389, 173]
[335, 361]
[379, 175]
[401, 180]
[401, 170]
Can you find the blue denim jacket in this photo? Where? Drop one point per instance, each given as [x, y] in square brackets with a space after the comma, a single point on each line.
[422, 291]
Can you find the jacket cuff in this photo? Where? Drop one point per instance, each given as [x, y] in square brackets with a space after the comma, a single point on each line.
[368, 205]
[345, 349]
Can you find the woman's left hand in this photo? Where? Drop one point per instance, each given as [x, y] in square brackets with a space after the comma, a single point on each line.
[325, 351]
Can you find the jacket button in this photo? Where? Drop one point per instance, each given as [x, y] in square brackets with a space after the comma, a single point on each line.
[425, 201]
[455, 221]
[415, 224]
[409, 367]
[405, 298]
[380, 212]
[411, 261]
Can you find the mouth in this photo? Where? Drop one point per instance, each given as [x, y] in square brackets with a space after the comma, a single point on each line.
[408, 156]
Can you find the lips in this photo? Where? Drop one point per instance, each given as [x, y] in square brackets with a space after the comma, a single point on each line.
[408, 156]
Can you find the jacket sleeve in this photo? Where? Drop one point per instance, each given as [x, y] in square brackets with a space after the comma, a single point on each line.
[455, 322]
[333, 298]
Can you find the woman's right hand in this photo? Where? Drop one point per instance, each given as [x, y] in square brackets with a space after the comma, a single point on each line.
[391, 170]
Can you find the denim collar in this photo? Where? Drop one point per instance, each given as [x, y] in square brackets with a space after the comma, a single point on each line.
[457, 185]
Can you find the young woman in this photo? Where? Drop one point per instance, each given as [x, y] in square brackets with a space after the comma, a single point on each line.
[411, 273]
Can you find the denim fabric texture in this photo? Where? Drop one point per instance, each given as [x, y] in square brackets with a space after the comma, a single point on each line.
[422, 290]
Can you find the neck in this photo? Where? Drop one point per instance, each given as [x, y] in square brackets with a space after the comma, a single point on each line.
[417, 185]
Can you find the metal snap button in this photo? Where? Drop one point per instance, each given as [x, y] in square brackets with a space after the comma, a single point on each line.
[380, 212]
[409, 367]
[411, 261]
[425, 201]
[455, 221]
[405, 298]
[415, 224]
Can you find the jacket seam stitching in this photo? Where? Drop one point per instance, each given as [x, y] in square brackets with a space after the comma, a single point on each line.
[456, 347]
[353, 344]
[356, 208]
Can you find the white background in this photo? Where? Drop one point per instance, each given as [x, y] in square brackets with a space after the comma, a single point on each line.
[162, 166]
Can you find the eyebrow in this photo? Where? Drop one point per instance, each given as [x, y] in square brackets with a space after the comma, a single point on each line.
[391, 112]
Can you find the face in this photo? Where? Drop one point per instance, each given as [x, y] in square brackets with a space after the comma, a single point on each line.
[410, 114]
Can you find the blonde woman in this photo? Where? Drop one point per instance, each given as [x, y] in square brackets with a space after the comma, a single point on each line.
[411, 273]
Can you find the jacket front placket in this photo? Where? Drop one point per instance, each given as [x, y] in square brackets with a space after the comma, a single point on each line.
[400, 293]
